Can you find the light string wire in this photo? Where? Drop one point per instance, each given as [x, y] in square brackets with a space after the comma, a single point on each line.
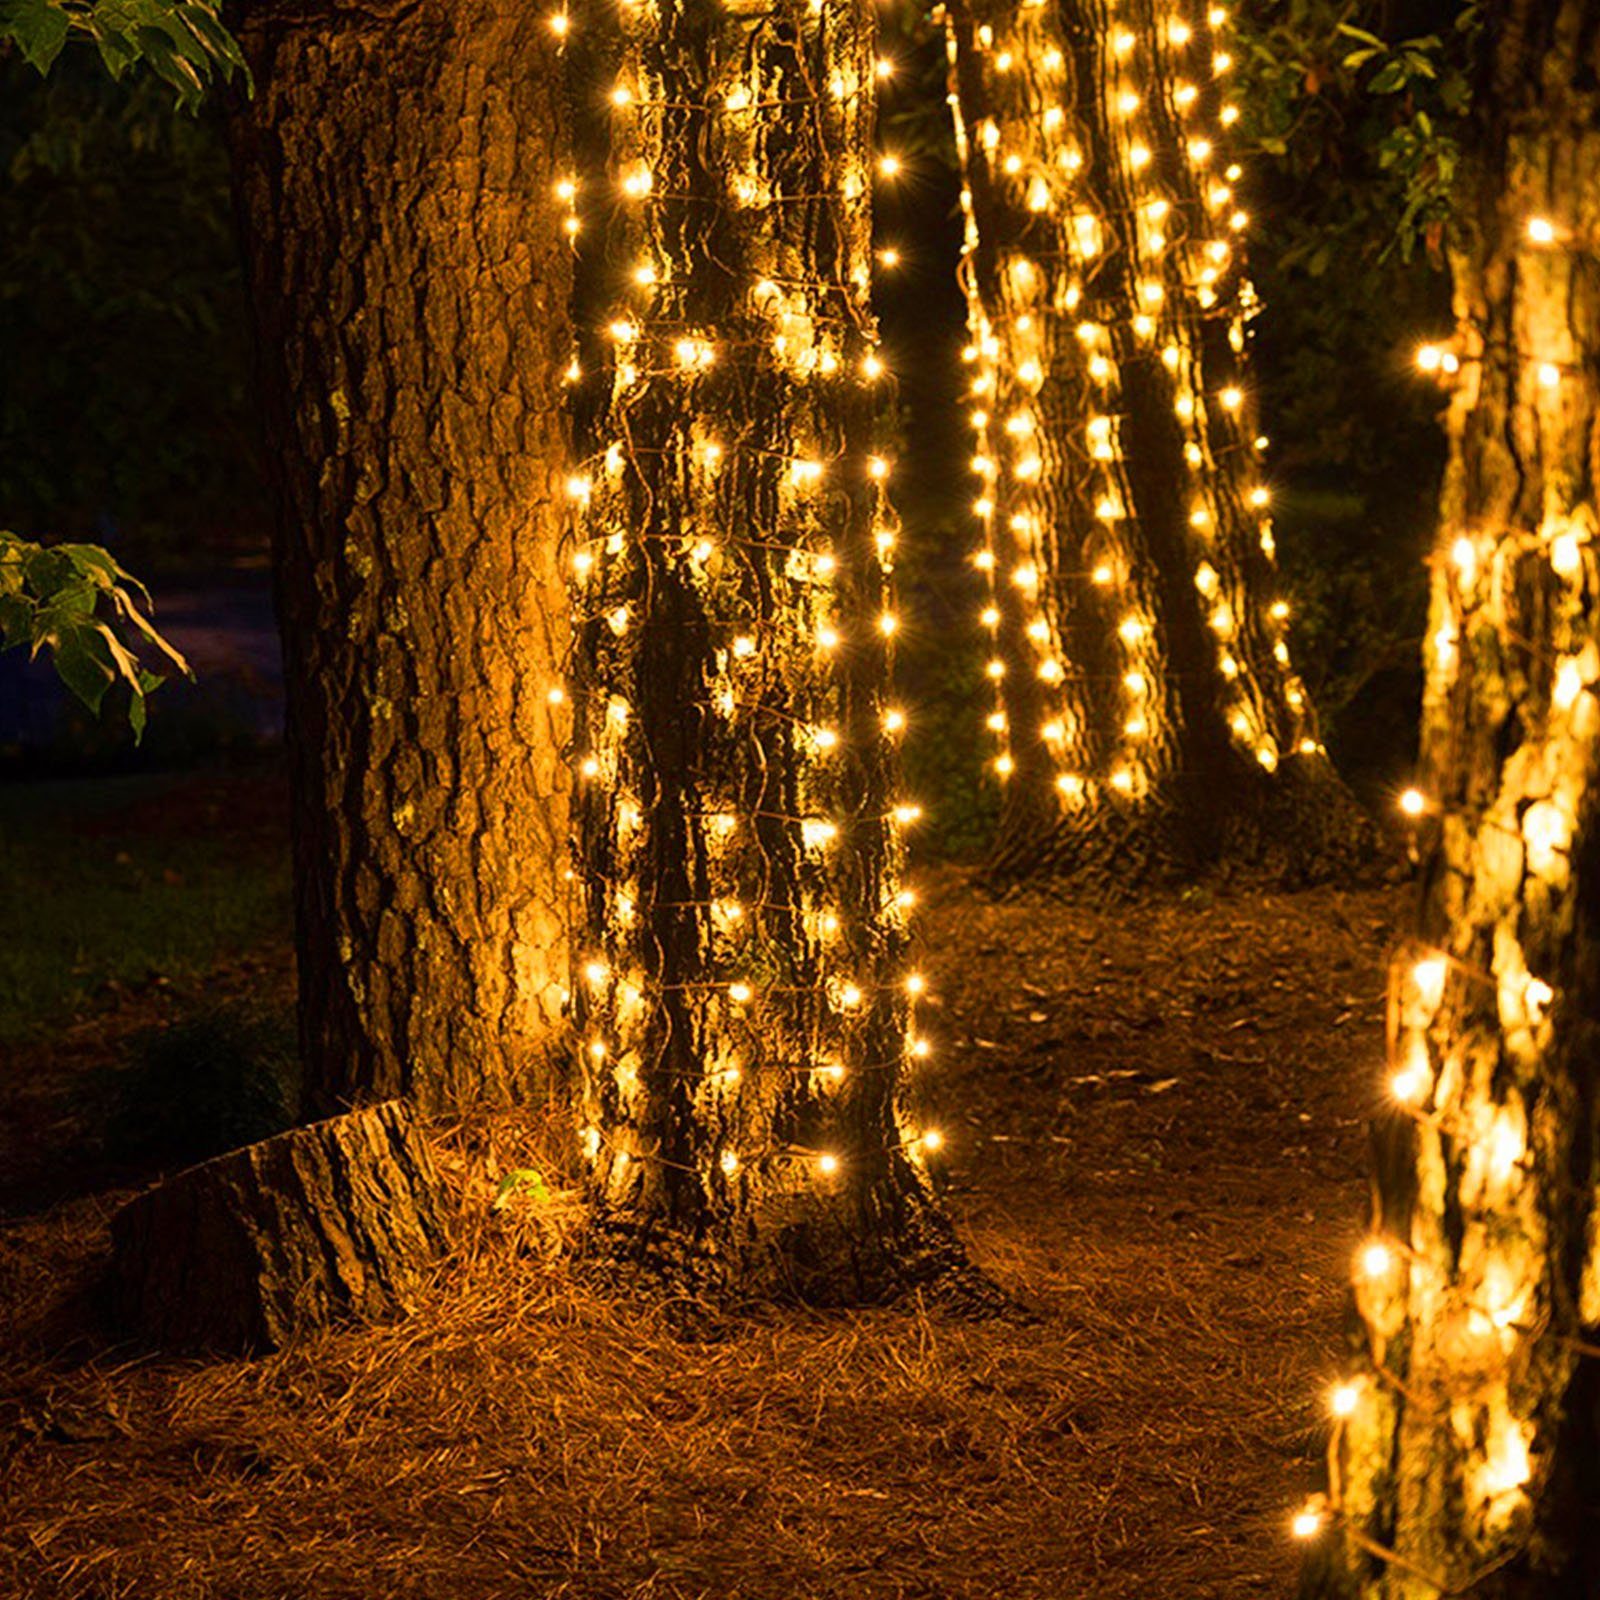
[1114, 178]
[739, 830]
[1465, 1036]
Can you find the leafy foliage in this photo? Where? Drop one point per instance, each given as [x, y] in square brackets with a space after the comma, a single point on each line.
[75, 601]
[1350, 211]
[183, 42]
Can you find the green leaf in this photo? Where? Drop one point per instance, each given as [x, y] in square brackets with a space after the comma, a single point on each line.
[521, 1180]
[79, 667]
[39, 28]
[1390, 77]
[70, 601]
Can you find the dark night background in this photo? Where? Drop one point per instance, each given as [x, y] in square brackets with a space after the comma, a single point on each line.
[1156, 1115]
[125, 415]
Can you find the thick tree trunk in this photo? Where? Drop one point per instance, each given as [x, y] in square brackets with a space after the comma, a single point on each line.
[395, 172]
[1149, 722]
[744, 998]
[337, 1220]
[1469, 1457]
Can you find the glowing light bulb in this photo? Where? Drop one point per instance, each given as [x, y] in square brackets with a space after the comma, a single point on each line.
[1410, 1083]
[1536, 998]
[1427, 978]
[827, 1164]
[932, 1140]
[1507, 1467]
[1541, 230]
[739, 993]
[1343, 1399]
[1307, 1522]
[889, 166]
[1568, 685]
[1413, 802]
[1375, 1259]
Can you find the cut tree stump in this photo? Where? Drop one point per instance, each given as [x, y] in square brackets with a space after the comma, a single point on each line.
[336, 1221]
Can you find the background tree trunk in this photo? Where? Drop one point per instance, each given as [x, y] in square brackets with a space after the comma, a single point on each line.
[411, 278]
[1149, 721]
[743, 996]
[1470, 1458]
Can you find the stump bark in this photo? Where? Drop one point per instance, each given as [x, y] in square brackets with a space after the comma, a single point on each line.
[335, 1221]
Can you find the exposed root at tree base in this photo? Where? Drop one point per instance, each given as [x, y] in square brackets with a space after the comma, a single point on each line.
[819, 1266]
[1292, 832]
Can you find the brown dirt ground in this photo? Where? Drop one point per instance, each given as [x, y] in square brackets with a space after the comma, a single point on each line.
[1154, 1117]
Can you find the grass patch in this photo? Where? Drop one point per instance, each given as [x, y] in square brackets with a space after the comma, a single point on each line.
[118, 882]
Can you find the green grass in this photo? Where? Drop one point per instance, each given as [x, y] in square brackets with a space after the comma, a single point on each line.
[121, 881]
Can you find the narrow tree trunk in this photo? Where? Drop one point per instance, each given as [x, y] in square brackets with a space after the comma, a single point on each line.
[340, 1219]
[1148, 719]
[1469, 1461]
[410, 275]
[744, 995]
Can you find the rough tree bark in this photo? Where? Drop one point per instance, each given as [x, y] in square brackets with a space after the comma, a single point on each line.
[411, 278]
[744, 998]
[1149, 721]
[1468, 1457]
[396, 176]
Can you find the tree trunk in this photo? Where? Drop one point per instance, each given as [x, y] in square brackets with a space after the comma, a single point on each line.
[1468, 1458]
[410, 275]
[340, 1219]
[1148, 719]
[745, 995]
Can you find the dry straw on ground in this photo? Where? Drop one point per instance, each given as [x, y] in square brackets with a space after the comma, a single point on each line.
[527, 1434]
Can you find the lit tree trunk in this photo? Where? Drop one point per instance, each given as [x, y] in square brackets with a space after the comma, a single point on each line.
[744, 998]
[1149, 721]
[411, 280]
[1465, 1460]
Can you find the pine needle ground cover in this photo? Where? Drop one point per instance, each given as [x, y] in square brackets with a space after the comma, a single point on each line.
[1153, 1120]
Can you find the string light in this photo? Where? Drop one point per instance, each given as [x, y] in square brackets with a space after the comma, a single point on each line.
[799, 622]
[1480, 1334]
[1042, 280]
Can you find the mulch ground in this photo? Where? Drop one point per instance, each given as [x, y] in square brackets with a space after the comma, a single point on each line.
[1154, 1118]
